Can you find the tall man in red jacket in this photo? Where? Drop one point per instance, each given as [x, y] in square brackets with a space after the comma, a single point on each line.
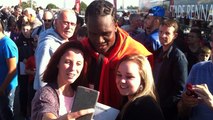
[107, 44]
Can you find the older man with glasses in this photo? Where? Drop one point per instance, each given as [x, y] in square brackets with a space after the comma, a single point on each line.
[50, 40]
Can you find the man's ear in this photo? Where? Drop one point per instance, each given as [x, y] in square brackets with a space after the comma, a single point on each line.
[175, 35]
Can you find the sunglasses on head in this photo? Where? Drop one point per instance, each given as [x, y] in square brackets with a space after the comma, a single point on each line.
[47, 20]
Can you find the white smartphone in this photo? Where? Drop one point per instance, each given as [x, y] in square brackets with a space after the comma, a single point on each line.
[85, 98]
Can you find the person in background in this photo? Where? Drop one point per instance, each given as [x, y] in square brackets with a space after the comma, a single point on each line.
[199, 107]
[13, 30]
[30, 68]
[135, 81]
[170, 69]
[80, 23]
[133, 28]
[150, 38]
[5, 14]
[180, 41]
[48, 42]
[82, 33]
[22, 20]
[121, 21]
[194, 40]
[48, 19]
[204, 54]
[12, 20]
[32, 18]
[8, 75]
[65, 71]
[106, 45]
[39, 12]
[25, 48]
[125, 15]
[15, 15]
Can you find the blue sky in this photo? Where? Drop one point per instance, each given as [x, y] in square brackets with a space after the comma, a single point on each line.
[69, 3]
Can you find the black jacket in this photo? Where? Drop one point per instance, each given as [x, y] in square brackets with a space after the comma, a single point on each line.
[170, 73]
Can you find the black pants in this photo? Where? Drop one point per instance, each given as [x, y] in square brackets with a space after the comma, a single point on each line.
[31, 93]
[23, 94]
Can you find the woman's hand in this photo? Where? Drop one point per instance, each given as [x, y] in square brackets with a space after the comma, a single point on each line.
[189, 101]
[204, 94]
[185, 105]
[68, 116]
[74, 115]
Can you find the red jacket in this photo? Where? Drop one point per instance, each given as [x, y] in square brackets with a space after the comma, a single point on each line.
[124, 45]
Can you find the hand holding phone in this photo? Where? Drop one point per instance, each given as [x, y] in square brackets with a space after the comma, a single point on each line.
[85, 98]
[190, 91]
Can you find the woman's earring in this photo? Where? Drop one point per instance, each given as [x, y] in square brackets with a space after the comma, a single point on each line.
[141, 87]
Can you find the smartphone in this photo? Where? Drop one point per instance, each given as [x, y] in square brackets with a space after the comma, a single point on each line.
[85, 98]
[189, 90]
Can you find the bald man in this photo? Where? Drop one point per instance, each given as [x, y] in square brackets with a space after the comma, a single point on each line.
[48, 19]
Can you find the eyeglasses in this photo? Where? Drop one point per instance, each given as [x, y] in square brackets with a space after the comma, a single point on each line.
[48, 20]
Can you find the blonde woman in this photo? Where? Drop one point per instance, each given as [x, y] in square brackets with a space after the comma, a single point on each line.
[135, 81]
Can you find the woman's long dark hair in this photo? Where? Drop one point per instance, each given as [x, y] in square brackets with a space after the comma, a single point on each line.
[51, 72]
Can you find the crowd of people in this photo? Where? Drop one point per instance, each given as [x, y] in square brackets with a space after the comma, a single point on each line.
[142, 65]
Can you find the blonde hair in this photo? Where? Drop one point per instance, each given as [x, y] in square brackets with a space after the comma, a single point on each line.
[147, 80]
[205, 50]
[146, 75]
